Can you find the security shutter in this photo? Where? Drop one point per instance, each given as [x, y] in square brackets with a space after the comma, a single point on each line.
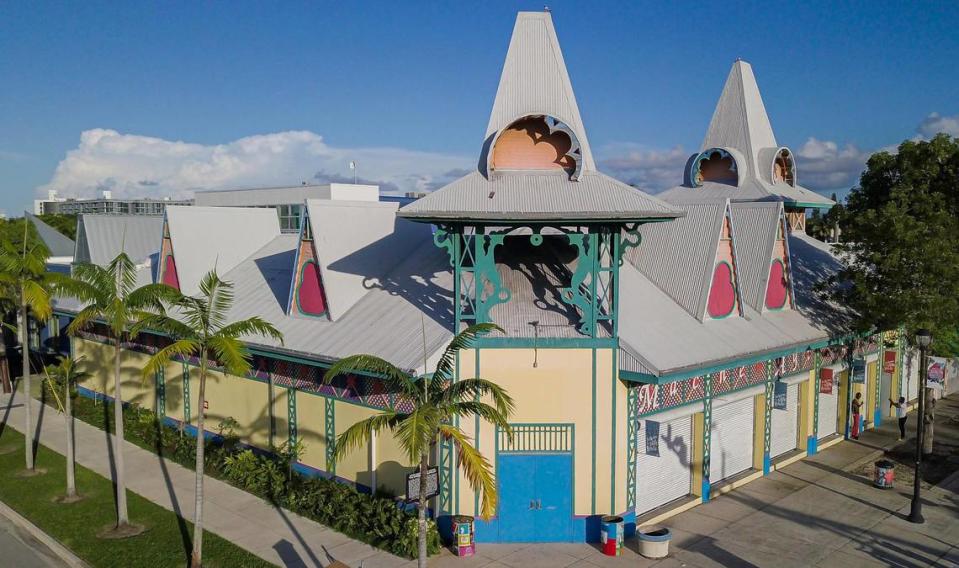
[828, 413]
[731, 439]
[666, 477]
[913, 387]
[783, 429]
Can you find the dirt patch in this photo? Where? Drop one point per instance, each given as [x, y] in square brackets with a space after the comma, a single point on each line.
[122, 531]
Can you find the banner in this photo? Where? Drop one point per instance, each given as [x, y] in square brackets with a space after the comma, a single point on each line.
[825, 381]
[859, 371]
[652, 438]
[889, 362]
[779, 395]
[936, 372]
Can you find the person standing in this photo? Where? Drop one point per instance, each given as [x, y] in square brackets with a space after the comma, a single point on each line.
[856, 418]
[900, 414]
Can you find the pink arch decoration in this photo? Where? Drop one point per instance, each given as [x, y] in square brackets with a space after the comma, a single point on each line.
[776, 291]
[722, 293]
[170, 277]
[309, 295]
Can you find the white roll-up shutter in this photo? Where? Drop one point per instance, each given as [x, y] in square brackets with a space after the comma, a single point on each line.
[665, 477]
[784, 424]
[731, 439]
[913, 386]
[828, 413]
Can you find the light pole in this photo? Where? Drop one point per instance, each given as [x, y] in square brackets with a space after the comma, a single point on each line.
[923, 339]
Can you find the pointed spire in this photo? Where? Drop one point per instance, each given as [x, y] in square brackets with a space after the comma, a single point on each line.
[535, 81]
[740, 120]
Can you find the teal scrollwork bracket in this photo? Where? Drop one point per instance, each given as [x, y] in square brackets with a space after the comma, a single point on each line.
[489, 286]
[445, 239]
[631, 238]
[578, 294]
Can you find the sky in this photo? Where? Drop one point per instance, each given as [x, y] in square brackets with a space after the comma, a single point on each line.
[159, 99]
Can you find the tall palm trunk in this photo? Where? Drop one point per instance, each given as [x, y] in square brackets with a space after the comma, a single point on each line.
[27, 402]
[123, 517]
[421, 513]
[197, 559]
[71, 451]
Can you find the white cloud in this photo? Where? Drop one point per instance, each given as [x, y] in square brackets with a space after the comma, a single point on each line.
[936, 123]
[142, 166]
[650, 169]
[825, 165]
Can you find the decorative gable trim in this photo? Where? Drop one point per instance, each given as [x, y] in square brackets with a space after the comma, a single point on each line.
[307, 295]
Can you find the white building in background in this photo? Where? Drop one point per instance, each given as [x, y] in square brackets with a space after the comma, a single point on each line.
[105, 204]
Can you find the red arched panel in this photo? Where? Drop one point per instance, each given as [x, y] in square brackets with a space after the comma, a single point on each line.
[309, 295]
[776, 291]
[170, 277]
[722, 294]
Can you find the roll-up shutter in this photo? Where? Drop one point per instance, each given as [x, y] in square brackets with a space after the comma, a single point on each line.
[913, 386]
[667, 476]
[784, 425]
[828, 413]
[731, 439]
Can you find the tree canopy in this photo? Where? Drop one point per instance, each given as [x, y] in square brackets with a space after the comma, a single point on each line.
[900, 233]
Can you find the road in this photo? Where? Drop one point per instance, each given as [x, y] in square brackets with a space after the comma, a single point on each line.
[20, 549]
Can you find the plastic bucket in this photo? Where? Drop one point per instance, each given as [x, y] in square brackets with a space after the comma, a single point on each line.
[611, 535]
[885, 474]
[654, 541]
[464, 539]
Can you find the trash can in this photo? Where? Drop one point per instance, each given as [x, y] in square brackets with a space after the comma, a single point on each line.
[464, 541]
[654, 541]
[885, 474]
[611, 535]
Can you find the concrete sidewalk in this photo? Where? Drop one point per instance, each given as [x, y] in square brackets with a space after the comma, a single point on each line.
[273, 534]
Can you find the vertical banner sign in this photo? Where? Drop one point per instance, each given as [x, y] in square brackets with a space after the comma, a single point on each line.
[889, 362]
[859, 371]
[825, 381]
[937, 372]
[779, 395]
[652, 438]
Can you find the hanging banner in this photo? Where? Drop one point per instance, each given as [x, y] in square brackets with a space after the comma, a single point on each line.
[779, 395]
[937, 371]
[889, 362]
[652, 438]
[825, 381]
[859, 371]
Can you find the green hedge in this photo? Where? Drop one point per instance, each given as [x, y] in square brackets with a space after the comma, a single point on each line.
[375, 519]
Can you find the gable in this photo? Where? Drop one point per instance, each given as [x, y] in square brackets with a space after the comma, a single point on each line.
[779, 294]
[307, 297]
[724, 289]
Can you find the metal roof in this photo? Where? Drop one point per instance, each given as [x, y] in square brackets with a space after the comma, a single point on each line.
[220, 237]
[272, 196]
[755, 226]
[100, 238]
[356, 242]
[535, 81]
[679, 256]
[57, 243]
[546, 195]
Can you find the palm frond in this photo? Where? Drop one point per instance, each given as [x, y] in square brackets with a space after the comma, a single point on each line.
[180, 347]
[359, 434]
[477, 408]
[416, 431]
[250, 327]
[471, 389]
[37, 298]
[476, 468]
[231, 353]
[378, 367]
[163, 324]
[446, 366]
[83, 319]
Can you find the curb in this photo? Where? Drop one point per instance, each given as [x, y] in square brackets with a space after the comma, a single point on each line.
[60, 551]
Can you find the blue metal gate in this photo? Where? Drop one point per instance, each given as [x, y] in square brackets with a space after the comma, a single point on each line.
[535, 478]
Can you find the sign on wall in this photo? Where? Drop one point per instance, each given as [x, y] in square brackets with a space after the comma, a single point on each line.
[889, 362]
[652, 438]
[859, 371]
[937, 372]
[413, 484]
[825, 381]
[779, 395]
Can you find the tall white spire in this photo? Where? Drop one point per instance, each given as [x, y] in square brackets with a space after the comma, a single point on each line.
[740, 120]
[535, 81]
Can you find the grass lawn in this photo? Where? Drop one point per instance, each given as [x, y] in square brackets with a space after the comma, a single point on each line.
[165, 543]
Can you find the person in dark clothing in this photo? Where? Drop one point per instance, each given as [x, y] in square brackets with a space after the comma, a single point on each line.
[900, 414]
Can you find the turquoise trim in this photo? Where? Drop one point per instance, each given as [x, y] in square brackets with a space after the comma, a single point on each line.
[291, 417]
[329, 422]
[707, 433]
[546, 342]
[187, 414]
[593, 468]
[632, 433]
[806, 205]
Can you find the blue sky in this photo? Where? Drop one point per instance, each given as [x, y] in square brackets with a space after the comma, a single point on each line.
[163, 98]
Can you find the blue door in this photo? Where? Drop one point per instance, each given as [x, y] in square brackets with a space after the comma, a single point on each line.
[536, 501]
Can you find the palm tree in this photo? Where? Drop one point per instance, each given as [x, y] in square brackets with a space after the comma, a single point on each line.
[110, 294]
[26, 282]
[201, 330]
[67, 374]
[436, 400]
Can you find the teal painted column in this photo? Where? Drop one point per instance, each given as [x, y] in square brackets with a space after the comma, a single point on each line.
[187, 415]
[812, 442]
[707, 432]
[329, 422]
[877, 411]
[160, 394]
[292, 434]
[767, 417]
[632, 433]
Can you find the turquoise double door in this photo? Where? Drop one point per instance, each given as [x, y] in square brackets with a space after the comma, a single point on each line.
[536, 496]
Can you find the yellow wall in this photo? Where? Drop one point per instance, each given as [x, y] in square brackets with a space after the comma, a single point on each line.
[99, 364]
[807, 410]
[699, 433]
[244, 400]
[759, 430]
[559, 390]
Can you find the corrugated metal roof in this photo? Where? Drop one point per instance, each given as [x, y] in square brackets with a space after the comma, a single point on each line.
[754, 228]
[221, 237]
[538, 196]
[357, 242]
[535, 81]
[271, 196]
[679, 256]
[100, 238]
[57, 243]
